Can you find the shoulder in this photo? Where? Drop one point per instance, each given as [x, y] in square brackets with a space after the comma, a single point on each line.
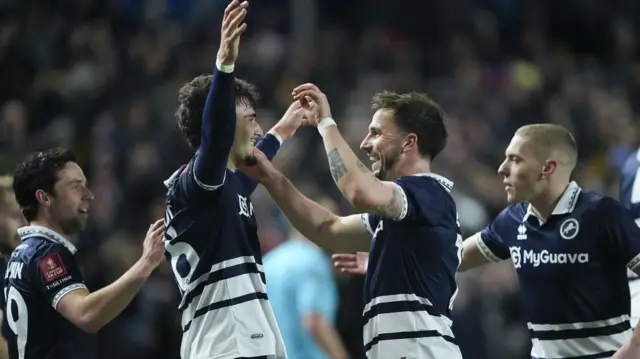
[427, 181]
[593, 202]
[514, 212]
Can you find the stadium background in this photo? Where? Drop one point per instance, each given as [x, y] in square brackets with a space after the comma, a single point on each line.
[101, 77]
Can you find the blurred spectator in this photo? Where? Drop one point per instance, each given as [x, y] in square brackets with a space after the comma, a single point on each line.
[304, 297]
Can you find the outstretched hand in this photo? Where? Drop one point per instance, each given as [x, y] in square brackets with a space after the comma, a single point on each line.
[153, 245]
[354, 263]
[259, 168]
[233, 26]
[314, 102]
[294, 118]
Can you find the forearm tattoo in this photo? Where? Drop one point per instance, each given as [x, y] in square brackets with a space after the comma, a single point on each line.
[336, 165]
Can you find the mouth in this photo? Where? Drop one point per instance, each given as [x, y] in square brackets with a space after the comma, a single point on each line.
[84, 210]
[254, 140]
[376, 163]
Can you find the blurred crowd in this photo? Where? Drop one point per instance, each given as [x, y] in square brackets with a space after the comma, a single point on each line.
[101, 77]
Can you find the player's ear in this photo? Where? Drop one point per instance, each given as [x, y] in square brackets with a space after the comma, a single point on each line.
[549, 168]
[43, 197]
[410, 141]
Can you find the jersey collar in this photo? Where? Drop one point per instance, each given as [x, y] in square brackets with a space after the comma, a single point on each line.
[446, 183]
[46, 233]
[175, 174]
[566, 204]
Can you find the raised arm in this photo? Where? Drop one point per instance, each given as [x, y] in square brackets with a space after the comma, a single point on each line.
[292, 119]
[219, 117]
[309, 218]
[356, 182]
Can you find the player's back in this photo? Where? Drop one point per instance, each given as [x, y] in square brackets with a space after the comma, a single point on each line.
[212, 242]
[410, 284]
[31, 325]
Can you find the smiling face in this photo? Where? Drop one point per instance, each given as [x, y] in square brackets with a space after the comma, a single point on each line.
[70, 201]
[383, 144]
[248, 132]
[522, 170]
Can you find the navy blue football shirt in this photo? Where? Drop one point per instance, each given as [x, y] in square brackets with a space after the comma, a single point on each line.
[411, 279]
[212, 244]
[40, 272]
[572, 270]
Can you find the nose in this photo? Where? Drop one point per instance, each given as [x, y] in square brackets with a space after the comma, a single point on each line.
[90, 195]
[366, 145]
[503, 170]
[259, 131]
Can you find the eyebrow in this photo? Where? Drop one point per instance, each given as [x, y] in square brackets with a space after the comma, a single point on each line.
[74, 181]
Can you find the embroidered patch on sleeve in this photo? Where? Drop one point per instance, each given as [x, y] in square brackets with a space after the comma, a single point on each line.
[52, 267]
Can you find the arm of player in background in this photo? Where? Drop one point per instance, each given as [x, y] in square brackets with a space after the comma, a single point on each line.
[622, 230]
[269, 144]
[91, 311]
[218, 130]
[358, 184]
[485, 246]
[317, 299]
[311, 219]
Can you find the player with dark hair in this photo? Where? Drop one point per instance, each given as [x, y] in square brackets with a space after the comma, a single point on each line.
[630, 199]
[10, 221]
[211, 237]
[408, 213]
[47, 302]
[570, 247]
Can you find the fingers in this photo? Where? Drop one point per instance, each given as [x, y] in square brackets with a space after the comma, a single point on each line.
[157, 224]
[306, 87]
[234, 16]
[232, 5]
[239, 31]
[302, 95]
[236, 20]
[351, 271]
[343, 256]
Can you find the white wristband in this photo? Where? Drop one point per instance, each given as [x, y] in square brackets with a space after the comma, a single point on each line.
[276, 135]
[324, 124]
[227, 69]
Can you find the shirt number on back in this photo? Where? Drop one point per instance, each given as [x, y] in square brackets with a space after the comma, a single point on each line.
[19, 320]
[184, 258]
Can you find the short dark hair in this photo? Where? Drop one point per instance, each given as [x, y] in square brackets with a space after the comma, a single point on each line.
[192, 97]
[416, 113]
[39, 171]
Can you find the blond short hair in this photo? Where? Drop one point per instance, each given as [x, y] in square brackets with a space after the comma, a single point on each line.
[552, 141]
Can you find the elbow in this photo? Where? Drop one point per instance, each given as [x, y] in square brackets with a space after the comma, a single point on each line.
[313, 324]
[359, 197]
[88, 324]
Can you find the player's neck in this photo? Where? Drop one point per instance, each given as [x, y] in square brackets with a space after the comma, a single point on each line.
[420, 166]
[544, 204]
[43, 222]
